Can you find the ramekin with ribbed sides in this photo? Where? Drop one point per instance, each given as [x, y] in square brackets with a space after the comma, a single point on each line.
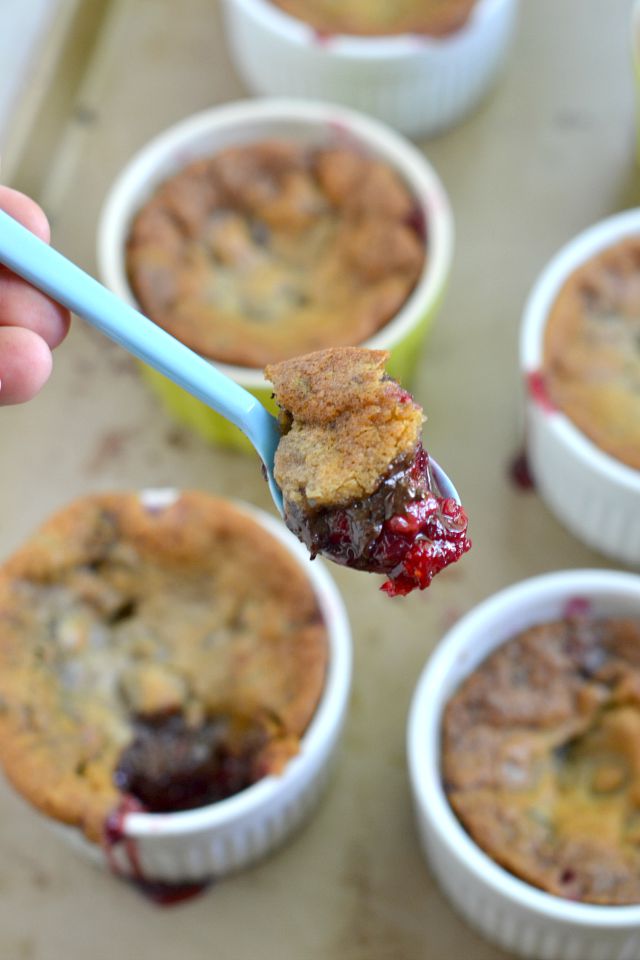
[185, 765]
[507, 910]
[594, 494]
[308, 124]
[418, 84]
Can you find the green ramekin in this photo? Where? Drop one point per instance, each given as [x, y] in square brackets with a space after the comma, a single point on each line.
[307, 122]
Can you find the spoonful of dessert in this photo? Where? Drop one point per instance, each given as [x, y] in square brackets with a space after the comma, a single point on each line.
[357, 484]
[345, 465]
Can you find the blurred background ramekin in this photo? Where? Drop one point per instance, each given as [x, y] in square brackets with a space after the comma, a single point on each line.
[224, 837]
[594, 495]
[507, 910]
[418, 84]
[307, 123]
[635, 56]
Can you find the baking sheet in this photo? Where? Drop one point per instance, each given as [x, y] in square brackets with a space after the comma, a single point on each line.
[548, 153]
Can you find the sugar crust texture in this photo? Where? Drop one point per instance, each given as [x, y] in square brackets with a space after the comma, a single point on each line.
[272, 249]
[346, 422]
[541, 758]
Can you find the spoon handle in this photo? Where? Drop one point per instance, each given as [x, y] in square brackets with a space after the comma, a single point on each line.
[56, 276]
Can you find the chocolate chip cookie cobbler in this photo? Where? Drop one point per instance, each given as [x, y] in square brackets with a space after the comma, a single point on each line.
[272, 249]
[541, 758]
[355, 479]
[434, 18]
[592, 350]
[159, 653]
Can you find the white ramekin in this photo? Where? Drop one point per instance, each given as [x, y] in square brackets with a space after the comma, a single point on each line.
[507, 910]
[596, 496]
[305, 122]
[418, 84]
[213, 841]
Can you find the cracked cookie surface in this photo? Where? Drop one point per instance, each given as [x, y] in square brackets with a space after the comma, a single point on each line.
[349, 422]
[541, 758]
[152, 643]
[273, 249]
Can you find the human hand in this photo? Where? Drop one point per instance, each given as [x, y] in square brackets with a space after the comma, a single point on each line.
[31, 324]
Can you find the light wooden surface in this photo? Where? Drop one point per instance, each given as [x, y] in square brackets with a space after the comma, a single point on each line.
[551, 151]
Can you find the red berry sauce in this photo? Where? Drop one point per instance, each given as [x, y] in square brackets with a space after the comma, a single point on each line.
[520, 472]
[404, 530]
[171, 766]
[539, 392]
[167, 767]
[115, 835]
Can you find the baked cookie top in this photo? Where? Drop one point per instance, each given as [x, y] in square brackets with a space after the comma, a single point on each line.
[346, 422]
[273, 249]
[138, 636]
[592, 350]
[381, 17]
[541, 758]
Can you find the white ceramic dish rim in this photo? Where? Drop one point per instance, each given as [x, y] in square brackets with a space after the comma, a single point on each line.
[583, 246]
[424, 753]
[346, 46]
[330, 708]
[421, 178]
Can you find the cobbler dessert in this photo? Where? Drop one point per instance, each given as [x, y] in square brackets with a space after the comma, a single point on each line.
[355, 479]
[156, 654]
[273, 249]
[592, 350]
[381, 17]
[541, 758]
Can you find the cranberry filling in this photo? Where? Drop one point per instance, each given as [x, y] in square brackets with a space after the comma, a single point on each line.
[170, 766]
[404, 530]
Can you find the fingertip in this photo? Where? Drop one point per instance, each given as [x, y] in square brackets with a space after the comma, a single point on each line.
[25, 365]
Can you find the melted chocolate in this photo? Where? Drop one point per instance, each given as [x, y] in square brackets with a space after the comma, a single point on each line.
[170, 766]
[404, 529]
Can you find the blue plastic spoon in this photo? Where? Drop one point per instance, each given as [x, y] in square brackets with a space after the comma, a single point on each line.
[62, 280]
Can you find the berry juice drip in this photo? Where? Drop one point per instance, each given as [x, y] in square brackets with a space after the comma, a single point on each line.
[520, 471]
[115, 835]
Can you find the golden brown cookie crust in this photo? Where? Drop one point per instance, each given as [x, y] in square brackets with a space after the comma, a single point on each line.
[270, 250]
[347, 423]
[381, 17]
[114, 609]
[541, 758]
[592, 350]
